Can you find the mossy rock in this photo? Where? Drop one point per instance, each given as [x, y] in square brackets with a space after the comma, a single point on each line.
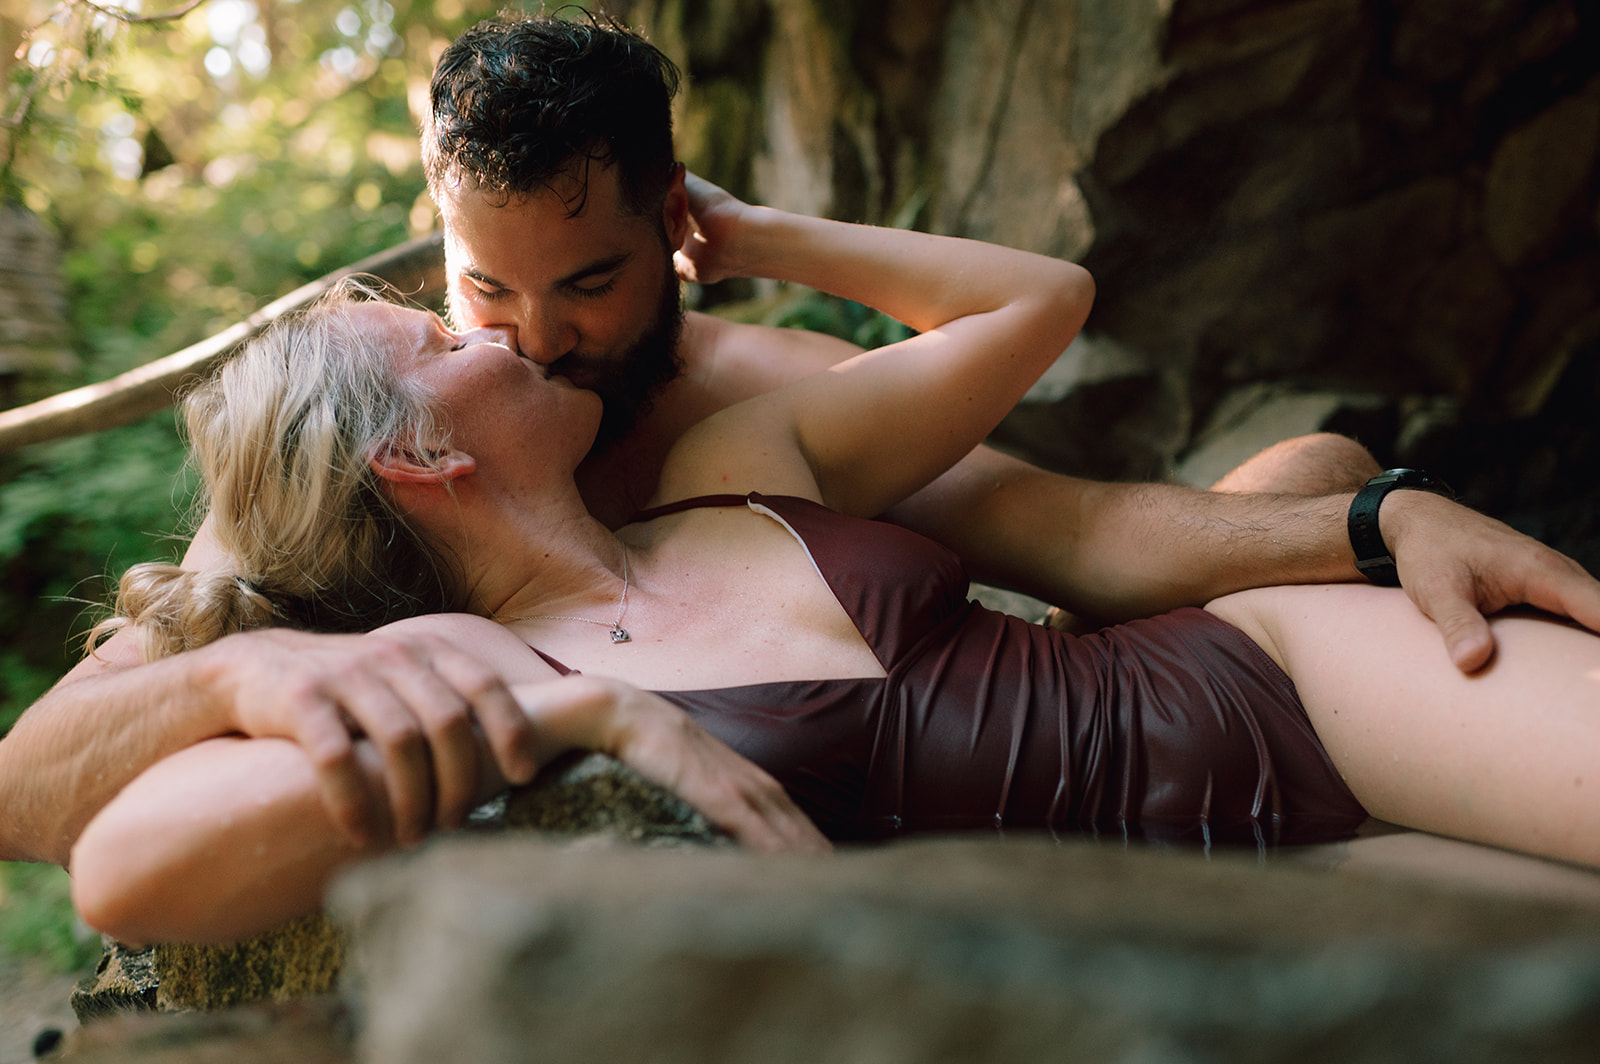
[581, 796]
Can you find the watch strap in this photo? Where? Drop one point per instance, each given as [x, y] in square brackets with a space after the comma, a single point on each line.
[1366, 540]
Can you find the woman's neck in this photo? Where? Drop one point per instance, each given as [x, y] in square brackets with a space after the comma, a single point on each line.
[522, 561]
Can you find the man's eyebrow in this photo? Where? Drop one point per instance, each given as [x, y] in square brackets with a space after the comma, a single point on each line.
[582, 273]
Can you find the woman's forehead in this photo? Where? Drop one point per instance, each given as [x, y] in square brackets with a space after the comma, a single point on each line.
[377, 313]
[406, 327]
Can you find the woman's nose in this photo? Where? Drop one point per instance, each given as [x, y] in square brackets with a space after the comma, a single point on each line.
[504, 335]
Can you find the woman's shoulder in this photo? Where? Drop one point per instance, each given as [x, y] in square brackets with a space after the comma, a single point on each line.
[480, 638]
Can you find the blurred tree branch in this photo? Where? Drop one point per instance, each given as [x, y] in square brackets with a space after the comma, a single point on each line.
[122, 15]
[83, 34]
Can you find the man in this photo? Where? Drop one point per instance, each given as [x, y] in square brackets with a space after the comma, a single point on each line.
[586, 280]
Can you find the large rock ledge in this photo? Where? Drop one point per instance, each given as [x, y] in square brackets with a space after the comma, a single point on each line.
[491, 949]
[998, 950]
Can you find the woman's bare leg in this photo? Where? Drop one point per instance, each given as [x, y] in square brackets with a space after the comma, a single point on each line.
[1323, 463]
[1508, 756]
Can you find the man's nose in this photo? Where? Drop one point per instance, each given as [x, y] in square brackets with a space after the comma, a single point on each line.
[544, 336]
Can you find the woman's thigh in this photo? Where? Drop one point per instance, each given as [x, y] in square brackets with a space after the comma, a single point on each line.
[1509, 755]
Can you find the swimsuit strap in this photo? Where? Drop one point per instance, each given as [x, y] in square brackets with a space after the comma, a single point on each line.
[552, 662]
[695, 503]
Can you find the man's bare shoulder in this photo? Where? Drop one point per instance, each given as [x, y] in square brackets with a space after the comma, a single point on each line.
[724, 362]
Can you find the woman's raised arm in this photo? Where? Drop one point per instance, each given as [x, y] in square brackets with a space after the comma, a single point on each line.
[879, 426]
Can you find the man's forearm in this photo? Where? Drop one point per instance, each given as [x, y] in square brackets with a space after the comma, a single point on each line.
[1117, 551]
[86, 739]
[1143, 549]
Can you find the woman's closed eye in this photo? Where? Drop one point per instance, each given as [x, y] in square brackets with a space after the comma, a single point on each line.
[487, 292]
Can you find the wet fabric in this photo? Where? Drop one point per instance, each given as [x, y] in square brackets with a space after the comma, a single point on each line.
[1176, 728]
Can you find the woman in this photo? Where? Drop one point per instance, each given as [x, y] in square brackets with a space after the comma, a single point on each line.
[369, 448]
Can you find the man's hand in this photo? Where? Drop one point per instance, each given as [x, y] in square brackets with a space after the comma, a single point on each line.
[419, 700]
[1459, 566]
[708, 253]
[660, 742]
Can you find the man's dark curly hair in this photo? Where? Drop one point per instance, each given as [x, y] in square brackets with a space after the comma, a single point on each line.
[516, 102]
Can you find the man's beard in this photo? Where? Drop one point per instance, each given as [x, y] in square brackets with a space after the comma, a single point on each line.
[628, 382]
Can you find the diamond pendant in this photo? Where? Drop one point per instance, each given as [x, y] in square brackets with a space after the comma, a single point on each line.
[620, 635]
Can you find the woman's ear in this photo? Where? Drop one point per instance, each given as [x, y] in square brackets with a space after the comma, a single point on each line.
[675, 208]
[401, 464]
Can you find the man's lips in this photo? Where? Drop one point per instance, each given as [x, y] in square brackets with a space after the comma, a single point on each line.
[578, 374]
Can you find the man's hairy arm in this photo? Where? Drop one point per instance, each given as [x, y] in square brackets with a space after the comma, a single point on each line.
[1113, 552]
[422, 703]
[1118, 551]
[74, 749]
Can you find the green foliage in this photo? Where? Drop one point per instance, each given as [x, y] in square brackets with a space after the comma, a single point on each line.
[195, 170]
[848, 320]
[70, 512]
[861, 325]
[37, 921]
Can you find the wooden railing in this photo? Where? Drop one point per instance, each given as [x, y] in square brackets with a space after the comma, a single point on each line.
[415, 268]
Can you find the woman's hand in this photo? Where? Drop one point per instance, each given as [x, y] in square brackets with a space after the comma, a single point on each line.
[708, 254]
[660, 742]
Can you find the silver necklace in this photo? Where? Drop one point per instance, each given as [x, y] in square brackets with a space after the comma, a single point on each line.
[619, 634]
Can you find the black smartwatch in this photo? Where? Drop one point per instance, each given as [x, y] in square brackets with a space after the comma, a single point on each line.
[1372, 555]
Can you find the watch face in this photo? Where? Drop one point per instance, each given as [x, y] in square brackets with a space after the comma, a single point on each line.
[1411, 478]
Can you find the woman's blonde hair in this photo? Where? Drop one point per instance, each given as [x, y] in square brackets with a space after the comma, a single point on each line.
[281, 436]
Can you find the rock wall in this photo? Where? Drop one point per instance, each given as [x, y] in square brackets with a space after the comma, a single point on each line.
[1392, 207]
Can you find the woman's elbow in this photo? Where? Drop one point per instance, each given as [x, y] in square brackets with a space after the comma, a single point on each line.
[189, 853]
[205, 888]
[115, 880]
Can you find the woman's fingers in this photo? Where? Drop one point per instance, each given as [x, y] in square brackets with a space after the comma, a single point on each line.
[761, 815]
[746, 802]
[705, 255]
[661, 743]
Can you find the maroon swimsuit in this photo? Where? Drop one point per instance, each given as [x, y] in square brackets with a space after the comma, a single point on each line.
[1176, 728]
